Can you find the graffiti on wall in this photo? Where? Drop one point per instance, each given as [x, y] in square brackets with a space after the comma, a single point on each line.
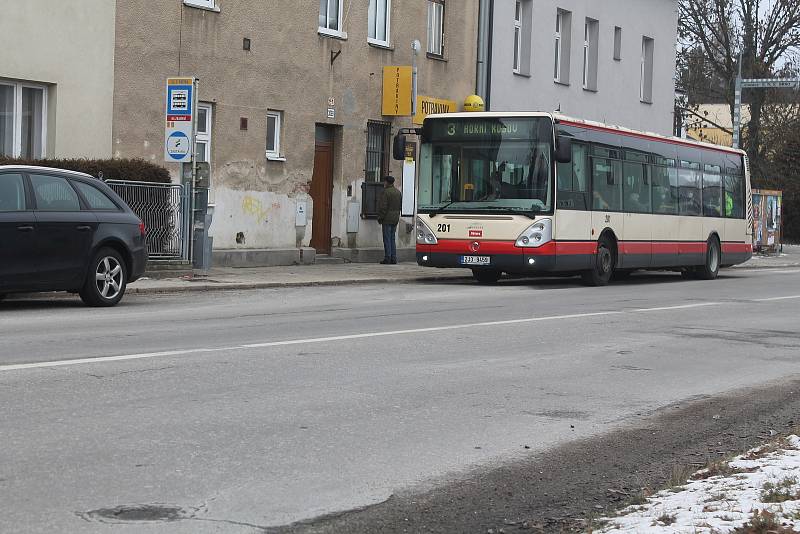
[257, 209]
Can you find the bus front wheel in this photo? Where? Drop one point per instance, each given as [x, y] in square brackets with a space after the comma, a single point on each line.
[602, 264]
[486, 276]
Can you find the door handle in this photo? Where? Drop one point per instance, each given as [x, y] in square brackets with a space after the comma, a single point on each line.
[25, 228]
[83, 228]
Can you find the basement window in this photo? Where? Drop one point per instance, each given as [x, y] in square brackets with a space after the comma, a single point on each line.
[210, 5]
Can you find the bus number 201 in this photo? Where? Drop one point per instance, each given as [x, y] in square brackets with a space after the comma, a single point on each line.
[443, 228]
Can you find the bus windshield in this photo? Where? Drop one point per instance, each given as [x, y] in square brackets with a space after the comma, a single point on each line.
[486, 164]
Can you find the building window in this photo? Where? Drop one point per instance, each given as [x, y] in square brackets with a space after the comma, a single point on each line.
[330, 18]
[23, 119]
[274, 135]
[378, 139]
[562, 46]
[517, 36]
[379, 21]
[203, 141]
[617, 43]
[646, 84]
[203, 4]
[591, 35]
[436, 27]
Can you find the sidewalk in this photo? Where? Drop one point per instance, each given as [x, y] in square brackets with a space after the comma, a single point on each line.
[354, 273]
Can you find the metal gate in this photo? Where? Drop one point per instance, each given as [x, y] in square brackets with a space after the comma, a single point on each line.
[162, 208]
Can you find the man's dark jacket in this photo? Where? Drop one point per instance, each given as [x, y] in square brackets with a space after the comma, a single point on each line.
[389, 205]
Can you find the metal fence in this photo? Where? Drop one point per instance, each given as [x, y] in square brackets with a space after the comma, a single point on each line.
[162, 207]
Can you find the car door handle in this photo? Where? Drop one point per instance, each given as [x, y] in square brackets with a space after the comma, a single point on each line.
[25, 228]
[83, 228]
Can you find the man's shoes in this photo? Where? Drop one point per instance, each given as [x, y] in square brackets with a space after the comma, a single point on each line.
[394, 261]
[385, 262]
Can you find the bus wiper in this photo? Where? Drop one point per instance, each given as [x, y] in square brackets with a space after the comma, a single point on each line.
[513, 211]
[434, 213]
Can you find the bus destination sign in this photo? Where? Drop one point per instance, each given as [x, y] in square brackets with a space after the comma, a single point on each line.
[491, 129]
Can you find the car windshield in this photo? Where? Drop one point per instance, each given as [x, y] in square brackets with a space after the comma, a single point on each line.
[487, 165]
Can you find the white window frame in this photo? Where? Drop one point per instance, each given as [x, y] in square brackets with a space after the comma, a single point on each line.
[646, 71]
[387, 19]
[617, 43]
[436, 34]
[16, 135]
[591, 31]
[274, 155]
[558, 50]
[586, 54]
[210, 5]
[205, 137]
[518, 37]
[340, 33]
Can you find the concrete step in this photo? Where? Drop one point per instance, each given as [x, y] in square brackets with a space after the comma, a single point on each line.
[167, 268]
[325, 259]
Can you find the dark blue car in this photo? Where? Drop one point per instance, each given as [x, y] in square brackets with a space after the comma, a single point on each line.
[67, 231]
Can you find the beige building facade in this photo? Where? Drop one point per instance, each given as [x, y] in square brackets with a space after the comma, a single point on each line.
[56, 78]
[290, 115]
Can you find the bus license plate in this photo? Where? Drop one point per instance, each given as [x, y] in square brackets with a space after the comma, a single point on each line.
[475, 260]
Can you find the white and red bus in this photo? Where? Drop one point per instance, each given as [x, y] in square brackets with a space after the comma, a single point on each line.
[525, 193]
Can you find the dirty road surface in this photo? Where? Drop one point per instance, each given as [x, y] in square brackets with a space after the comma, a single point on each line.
[426, 407]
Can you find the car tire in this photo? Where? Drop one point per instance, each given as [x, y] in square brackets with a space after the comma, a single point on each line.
[106, 279]
[710, 269]
[486, 276]
[603, 264]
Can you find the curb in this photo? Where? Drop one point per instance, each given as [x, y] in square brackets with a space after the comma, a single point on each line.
[234, 286]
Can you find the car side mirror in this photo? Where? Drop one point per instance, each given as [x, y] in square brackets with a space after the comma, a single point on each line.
[563, 149]
[399, 147]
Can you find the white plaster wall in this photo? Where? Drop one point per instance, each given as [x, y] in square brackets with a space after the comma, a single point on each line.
[70, 47]
[616, 100]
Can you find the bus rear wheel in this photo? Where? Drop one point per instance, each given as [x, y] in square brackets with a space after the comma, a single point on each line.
[486, 276]
[710, 269]
[603, 264]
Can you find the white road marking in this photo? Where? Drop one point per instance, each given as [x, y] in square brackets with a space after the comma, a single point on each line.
[788, 297]
[681, 307]
[182, 352]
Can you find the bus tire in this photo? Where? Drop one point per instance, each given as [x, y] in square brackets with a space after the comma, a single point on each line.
[486, 276]
[602, 264]
[689, 274]
[710, 269]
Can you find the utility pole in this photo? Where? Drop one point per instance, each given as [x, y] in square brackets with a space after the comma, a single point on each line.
[754, 83]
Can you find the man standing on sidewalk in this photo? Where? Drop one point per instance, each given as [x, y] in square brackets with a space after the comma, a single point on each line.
[389, 206]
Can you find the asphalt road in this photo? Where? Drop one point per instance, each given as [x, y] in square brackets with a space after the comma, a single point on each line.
[239, 411]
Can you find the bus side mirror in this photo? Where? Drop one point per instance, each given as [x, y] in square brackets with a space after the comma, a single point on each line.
[399, 147]
[563, 149]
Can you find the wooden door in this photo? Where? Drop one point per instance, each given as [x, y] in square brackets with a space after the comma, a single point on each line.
[321, 194]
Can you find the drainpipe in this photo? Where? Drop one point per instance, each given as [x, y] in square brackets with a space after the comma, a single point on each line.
[489, 47]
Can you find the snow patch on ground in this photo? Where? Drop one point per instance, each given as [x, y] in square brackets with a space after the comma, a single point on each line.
[720, 504]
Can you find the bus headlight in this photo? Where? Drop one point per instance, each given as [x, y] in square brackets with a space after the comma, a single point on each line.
[425, 235]
[536, 234]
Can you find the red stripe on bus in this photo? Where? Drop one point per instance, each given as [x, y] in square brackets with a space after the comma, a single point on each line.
[729, 248]
[646, 136]
[568, 248]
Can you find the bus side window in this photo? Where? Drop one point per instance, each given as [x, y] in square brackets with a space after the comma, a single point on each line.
[689, 189]
[606, 184]
[733, 201]
[636, 190]
[712, 194]
[665, 189]
[573, 180]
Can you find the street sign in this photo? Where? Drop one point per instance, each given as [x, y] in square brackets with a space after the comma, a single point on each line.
[786, 83]
[179, 120]
[427, 105]
[396, 91]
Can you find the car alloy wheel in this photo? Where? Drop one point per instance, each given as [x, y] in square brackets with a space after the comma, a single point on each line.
[108, 277]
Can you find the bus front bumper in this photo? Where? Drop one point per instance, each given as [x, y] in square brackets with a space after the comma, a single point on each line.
[501, 256]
